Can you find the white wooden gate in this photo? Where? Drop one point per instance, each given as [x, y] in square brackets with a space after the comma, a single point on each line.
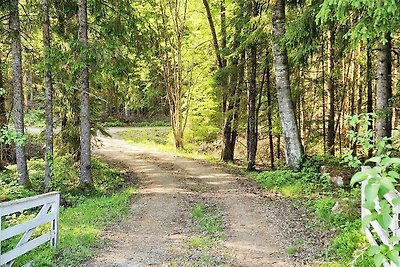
[50, 204]
[383, 236]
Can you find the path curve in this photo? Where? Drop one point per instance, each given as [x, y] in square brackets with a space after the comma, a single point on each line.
[156, 231]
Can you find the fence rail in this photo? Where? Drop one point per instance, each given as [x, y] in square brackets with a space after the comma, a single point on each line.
[374, 232]
[49, 205]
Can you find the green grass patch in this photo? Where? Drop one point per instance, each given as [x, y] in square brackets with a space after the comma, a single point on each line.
[146, 123]
[209, 222]
[161, 139]
[85, 212]
[80, 227]
[147, 135]
[294, 184]
[204, 248]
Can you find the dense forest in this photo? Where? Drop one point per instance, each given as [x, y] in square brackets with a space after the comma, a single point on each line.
[285, 76]
[266, 84]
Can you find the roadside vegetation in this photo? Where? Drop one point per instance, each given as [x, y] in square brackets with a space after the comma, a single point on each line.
[85, 211]
[330, 208]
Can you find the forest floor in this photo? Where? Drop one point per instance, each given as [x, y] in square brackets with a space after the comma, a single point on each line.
[256, 229]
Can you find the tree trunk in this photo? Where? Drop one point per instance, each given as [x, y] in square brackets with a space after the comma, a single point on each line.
[369, 82]
[331, 93]
[251, 112]
[213, 32]
[269, 118]
[384, 90]
[229, 102]
[323, 95]
[48, 84]
[293, 149]
[252, 133]
[369, 90]
[3, 119]
[18, 96]
[86, 175]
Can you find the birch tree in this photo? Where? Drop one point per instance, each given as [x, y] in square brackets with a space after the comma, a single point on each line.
[293, 149]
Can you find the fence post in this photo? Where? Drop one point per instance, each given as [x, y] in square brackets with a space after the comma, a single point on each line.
[54, 224]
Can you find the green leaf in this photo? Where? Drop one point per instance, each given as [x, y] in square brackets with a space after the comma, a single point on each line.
[396, 201]
[395, 161]
[377, 160]
[378, 260]
[387, 184]
[394, 239]
[394, 257]
[384, 220]
[394, 174]
[369, 204]
[366, 221]
[373, 250]
[358, 177]
[371, 191]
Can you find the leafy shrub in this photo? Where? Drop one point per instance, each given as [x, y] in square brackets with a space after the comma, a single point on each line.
[10, 189]
[346, 243]
[293, 184]
[65, 179]
[314, 163]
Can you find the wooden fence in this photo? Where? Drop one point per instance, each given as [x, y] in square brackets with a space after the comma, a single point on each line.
[374, 232]
[49, 205]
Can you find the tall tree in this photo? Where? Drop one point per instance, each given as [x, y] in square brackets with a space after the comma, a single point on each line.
[252, 121]
[293, 148]
[230, 83]
[173, 14]
[48, 84]
[384, 89]
[18, 95]
[331, 91]
[85, 140]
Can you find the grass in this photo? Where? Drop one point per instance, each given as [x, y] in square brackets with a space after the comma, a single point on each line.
[209, 222]
[80, 227]
[144, 123]
[161, 139]
[204, 247]
[85, 214]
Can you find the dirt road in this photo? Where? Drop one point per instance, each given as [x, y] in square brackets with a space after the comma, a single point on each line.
[160, 225]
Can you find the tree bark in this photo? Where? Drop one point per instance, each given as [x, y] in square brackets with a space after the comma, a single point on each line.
[384, 90]
[3, 119]
[331, 93]
[214, 33]
[48, 84]
[17, 86]
[252, 131]
[369, 82]
[293, 149]
[269, 117]
[252, 135]
[85, 138]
